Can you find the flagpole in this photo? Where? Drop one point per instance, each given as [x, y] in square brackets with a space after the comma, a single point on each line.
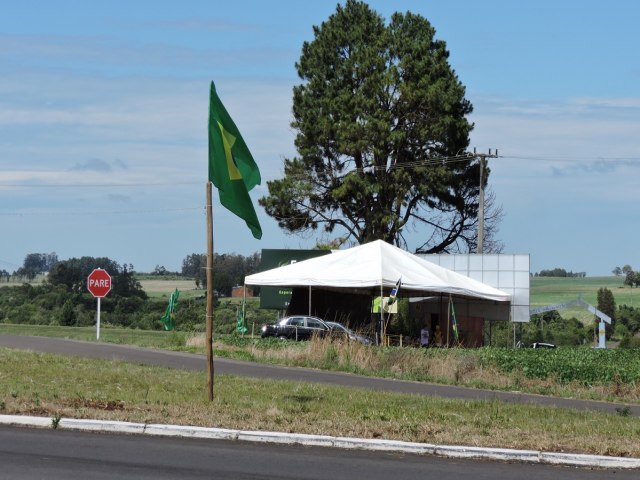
[209, 322]
[244, 305]
[448, 319]
[381, 312]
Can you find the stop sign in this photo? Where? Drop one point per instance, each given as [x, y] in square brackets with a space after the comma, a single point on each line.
[99, 283]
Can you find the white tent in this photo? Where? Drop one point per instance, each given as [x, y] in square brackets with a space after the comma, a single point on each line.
[372, 267]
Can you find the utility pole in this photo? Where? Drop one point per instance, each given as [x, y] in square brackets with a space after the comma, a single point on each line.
[483, 166]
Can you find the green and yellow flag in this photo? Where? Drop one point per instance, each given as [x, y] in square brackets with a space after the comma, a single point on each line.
[231, 167]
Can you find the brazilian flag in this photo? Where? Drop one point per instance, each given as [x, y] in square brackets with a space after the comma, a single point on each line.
[231, 167]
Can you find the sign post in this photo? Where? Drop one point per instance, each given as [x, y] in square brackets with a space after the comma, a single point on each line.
[99, 284]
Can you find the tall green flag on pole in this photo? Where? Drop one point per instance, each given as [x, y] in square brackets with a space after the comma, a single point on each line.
[240, 320]
[455, 322]
[231, 167]
[167, 318]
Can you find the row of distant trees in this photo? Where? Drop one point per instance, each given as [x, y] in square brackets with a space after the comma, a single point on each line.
[631, 278]
[34, 264]
[229, 270]
[559, 272]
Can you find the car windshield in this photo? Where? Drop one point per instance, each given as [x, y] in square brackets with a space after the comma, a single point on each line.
[315, 323]
[292, 321]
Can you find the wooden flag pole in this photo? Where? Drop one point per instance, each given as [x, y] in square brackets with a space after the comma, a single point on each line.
[210, 298]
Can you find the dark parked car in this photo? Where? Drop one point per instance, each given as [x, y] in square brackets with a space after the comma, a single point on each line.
[350, 334]
[296, 327]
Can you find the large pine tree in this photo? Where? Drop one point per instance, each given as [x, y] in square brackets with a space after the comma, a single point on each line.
[377, 113]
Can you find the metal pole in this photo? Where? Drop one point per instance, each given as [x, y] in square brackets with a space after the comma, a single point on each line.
[483, 161]
[98, 321]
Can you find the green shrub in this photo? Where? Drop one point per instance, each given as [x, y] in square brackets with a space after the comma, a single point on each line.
[67, 315]
[629, 341]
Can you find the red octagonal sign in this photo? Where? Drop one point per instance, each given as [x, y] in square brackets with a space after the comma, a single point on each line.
[99, 283]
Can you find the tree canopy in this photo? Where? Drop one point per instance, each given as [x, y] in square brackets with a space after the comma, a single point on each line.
[229, 270]
[73, 274]
[37, 263]
[382, 134]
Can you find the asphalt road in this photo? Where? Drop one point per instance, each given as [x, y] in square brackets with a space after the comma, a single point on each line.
[29, 454]
[195, 362]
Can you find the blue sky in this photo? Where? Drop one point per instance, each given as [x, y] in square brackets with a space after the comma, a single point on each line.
[103, 114]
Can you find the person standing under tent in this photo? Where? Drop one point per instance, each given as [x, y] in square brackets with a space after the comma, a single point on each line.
[424, 337]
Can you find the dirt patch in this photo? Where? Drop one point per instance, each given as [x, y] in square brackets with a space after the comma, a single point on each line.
[107, 405]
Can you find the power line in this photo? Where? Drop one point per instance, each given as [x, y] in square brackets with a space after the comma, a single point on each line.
[570, 158]
[104, 212]
[95, 185]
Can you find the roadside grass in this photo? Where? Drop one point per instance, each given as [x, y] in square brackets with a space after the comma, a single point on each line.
[58, 386]
[583, 373]
[123, 336]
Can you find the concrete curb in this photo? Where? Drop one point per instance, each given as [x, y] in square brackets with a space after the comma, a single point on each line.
[452, 451]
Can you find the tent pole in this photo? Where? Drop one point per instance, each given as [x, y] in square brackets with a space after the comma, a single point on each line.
[448, 319]
[381, 314]
[309, 300]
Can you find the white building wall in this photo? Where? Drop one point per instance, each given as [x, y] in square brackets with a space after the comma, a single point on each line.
[506, 272]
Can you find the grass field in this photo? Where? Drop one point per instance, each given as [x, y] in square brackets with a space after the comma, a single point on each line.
[553, 290]
[159, 288]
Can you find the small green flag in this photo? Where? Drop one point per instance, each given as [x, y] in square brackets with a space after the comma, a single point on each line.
[394, 292]
[231, 167]
[240, 323]
[167, 318]
[454, 322]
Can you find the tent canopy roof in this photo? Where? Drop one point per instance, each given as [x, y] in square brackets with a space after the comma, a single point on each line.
[369, 267]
